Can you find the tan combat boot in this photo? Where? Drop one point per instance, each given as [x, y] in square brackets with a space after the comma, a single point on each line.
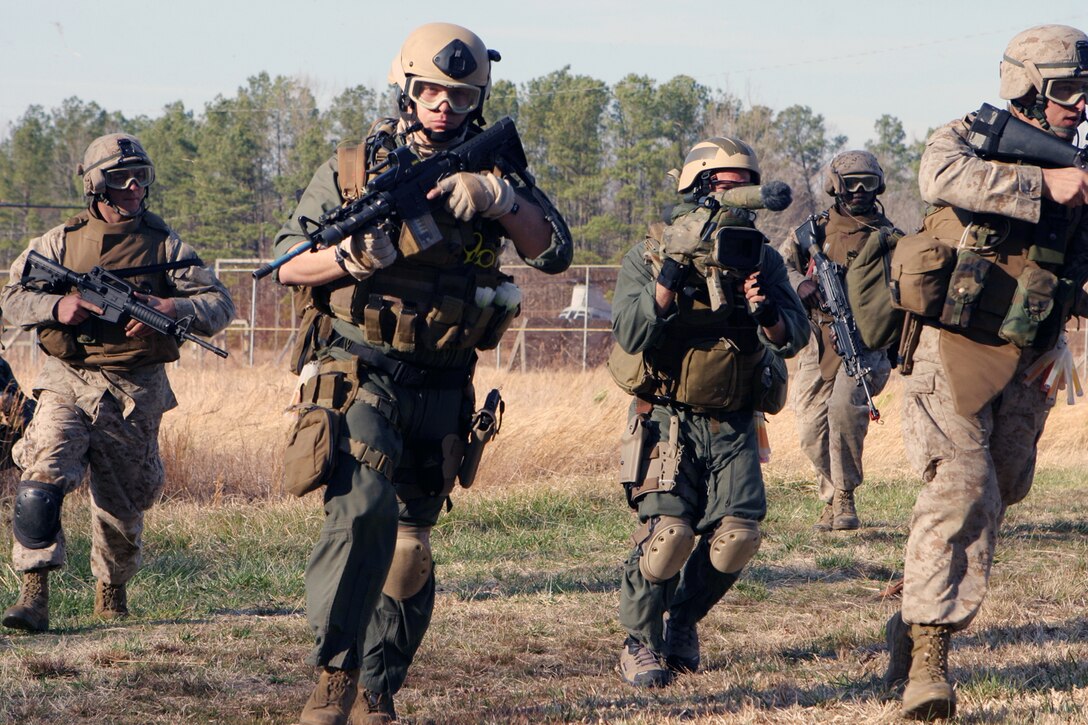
[846, 516]
[332, 698]
[929, 694]
[110, 601]
[31, 611]
[827, 516]
[373, 708]
[639, 666]
[897, 634]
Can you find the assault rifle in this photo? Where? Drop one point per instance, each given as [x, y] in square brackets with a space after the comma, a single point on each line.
[400, 192]
[116, 297]
[997, 134]
[844, 328]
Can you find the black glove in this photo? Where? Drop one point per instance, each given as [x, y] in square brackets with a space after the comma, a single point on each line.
[766, 312]
[673, 274]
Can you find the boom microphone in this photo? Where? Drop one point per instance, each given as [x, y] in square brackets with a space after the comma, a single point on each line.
[774, 196]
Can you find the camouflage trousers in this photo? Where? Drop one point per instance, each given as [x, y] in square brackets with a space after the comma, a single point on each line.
[974, 468]
[833, 418]
[125, 477]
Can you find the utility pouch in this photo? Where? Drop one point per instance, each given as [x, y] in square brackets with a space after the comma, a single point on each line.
[404, 338]
[964, 288]
[474, 324]
[629, 371]
[312, 445]
[632, 445]
[771, 385]
[443, 324]
[500, 322]
[920, 272]
[1032, 301]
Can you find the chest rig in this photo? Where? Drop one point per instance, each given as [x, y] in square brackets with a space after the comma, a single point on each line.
[708, 358]
[446, 298]
[91, 242]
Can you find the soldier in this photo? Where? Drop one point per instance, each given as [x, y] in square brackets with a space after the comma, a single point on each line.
[832, 415]
[399, 329]
[103, 389]
[16, 410]
[703, 316]
[971, 425]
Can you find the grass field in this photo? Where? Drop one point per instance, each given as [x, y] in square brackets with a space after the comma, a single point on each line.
[528, 563]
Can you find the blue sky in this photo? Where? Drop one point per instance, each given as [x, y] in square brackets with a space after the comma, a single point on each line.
[924, 62]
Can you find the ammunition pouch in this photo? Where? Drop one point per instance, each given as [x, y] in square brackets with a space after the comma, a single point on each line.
[965, 286]
[1032, 302]
[313, 444]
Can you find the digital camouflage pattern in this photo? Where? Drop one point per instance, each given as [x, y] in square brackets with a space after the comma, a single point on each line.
[974, 468]
[107, 420]
[833, 417]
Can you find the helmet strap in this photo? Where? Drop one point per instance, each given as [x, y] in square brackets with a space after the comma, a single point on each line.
[1035, 111]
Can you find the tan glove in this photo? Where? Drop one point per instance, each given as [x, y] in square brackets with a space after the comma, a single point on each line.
[365, 252]
[471, 194]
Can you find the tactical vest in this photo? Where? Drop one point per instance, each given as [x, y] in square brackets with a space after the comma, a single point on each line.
[843, 239]
[432, 306]
[992, 276]
[91, 242]
[844, 236]
[706, 359]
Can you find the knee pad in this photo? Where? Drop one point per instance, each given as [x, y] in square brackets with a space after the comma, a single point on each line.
[666, 548]
[412, 565]
[735, 542]
[36, 518]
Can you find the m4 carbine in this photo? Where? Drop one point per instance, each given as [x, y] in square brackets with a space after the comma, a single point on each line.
[116, 297]
[400, 192]
[844, 328]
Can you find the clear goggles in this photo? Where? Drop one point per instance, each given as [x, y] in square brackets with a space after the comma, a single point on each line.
[1065, 91]
[430, 94]
[855, 183]
[123, 176]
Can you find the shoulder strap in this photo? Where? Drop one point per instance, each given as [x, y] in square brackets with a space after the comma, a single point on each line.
[353, 159]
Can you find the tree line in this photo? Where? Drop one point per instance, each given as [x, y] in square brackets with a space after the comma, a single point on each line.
[228, 176]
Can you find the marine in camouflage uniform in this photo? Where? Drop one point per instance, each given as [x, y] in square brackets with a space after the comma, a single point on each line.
[396, 348]
[970, 425]
[708, 345]
[103, 389]
[832, 412]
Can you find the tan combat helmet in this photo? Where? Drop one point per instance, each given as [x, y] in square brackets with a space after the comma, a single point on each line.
[714, 154]
[852, 163]
[1039, 56]
[449, 55]
[110, 152]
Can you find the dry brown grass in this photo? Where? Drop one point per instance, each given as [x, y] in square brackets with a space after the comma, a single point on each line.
[524, 636]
